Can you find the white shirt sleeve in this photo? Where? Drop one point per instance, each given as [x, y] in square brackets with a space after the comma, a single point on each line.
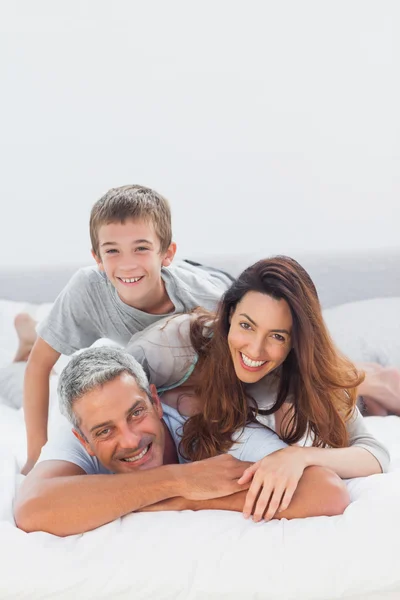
[63, 445]
[255, 442]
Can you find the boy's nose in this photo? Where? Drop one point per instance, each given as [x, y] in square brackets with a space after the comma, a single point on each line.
[128, 265]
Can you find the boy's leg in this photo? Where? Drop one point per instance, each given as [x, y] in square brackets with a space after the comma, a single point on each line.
[25, 327]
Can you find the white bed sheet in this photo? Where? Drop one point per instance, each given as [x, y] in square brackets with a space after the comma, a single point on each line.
[209, 554]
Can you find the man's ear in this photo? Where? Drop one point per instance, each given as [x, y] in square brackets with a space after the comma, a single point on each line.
[83, 441]
[169, 255]
[98, 260]
[156, 400]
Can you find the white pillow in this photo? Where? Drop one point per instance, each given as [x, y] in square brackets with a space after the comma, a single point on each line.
[368, 330]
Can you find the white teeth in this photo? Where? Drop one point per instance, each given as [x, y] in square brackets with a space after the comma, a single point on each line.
[131, 280]
[138, 456]
[252, 363]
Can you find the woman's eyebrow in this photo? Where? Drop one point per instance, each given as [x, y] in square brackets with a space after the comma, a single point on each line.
[247, 317]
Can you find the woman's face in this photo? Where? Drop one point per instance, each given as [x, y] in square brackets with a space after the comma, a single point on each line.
[259, 337]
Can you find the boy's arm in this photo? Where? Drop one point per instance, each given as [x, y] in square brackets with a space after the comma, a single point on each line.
[59, 498]
[36, 398]
[320, 493]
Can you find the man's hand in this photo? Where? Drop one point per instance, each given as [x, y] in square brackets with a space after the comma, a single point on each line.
[213, 477]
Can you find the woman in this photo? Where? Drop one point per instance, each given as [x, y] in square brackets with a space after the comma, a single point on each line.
[267, 356]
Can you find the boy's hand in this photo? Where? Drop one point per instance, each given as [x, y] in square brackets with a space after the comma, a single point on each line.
[28, 466]
[33, 457]
[213, 477]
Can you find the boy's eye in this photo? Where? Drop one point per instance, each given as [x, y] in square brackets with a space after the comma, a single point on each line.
[111, 251]
[245, 326]
[141, 248]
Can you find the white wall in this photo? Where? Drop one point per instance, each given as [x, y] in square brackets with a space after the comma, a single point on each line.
[270, 126]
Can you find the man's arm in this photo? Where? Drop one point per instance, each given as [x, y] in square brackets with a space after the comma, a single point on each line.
[59, 498]
[320, 493]
[36, 399]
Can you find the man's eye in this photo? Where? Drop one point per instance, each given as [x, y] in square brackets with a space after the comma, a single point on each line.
[244, 325]
[137, 412]
[103, 432]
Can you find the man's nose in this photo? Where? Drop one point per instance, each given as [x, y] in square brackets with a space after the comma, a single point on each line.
[129, 438]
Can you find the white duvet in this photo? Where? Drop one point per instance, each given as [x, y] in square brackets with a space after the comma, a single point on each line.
[208, 554]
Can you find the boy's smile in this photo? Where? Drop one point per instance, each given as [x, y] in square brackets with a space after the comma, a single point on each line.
[130, 256]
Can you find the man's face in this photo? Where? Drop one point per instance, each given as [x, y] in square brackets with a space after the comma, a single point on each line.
[129, 254]
[123, 428]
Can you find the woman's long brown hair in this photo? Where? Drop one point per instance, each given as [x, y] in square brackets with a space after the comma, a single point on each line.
[322, 382]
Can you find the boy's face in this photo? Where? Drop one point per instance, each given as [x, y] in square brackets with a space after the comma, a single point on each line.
[129, 254]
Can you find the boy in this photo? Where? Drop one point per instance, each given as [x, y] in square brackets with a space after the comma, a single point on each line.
[132, 286]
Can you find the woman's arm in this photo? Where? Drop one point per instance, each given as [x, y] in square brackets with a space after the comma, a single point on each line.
[277, 476]
[320, 493]
[364, 456]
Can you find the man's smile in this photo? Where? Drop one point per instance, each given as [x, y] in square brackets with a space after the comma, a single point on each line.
[137, 458]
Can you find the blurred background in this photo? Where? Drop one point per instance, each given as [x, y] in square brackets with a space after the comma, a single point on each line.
[271, 126]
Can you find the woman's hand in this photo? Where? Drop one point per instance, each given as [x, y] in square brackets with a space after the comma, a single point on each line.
[275, 479]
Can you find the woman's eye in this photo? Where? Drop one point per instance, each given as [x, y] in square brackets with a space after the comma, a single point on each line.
[278, 337]
[245, 326]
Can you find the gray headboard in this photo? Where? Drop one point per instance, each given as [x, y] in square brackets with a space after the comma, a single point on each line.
[341, 277]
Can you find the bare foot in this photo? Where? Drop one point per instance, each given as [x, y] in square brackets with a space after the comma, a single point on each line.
[383, 385]
[373, 408]
[25, 328]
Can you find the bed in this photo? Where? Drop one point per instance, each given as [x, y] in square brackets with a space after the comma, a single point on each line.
[215, 554]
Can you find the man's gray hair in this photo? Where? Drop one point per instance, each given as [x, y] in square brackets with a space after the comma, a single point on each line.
[91, 369]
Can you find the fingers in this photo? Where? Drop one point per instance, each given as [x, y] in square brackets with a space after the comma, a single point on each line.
[251, 498]
[269, 510]
[264, 502]
[287, 497]
[248, 474]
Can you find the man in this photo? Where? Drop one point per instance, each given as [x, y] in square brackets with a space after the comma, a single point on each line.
[125, 456]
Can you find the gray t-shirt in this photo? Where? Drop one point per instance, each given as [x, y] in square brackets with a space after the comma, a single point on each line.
[251, 444]
[89, 307]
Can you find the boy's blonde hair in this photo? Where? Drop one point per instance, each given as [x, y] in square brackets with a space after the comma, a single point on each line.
[132, 202]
